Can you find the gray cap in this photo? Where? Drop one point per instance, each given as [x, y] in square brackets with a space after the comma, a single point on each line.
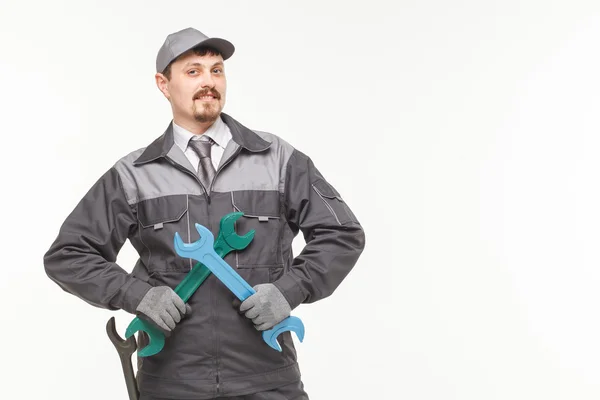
[179, 42]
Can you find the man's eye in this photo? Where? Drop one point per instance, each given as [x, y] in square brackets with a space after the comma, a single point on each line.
[192, 71]
[217, 69]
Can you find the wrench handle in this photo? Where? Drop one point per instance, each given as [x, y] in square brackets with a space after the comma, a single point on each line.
[199, 272]
[192, 282]
[226, 274]
[130, 380]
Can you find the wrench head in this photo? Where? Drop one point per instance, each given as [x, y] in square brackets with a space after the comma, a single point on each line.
[156, 339]
[290, 324]
[124, 346]
[197, 249]
[228, 233]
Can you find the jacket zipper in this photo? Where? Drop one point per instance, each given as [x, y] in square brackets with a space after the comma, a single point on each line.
[239, 149]
[180, 168]
[173, 163]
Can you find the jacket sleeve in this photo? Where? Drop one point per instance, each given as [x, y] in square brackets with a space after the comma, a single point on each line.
[81, 260]
[334, 237]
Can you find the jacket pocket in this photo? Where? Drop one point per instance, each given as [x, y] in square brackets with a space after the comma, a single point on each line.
[334, 202]
[261, 210]
[159, 219]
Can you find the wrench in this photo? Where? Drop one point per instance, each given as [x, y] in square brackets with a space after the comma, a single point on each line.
[125, 348]
[227, 241]
[202, 251]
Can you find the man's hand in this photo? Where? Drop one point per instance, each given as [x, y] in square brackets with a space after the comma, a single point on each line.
[162, 306]
[266, 308]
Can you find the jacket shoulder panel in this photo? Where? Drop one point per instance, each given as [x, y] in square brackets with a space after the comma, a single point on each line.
[281, 152]
[125, 169]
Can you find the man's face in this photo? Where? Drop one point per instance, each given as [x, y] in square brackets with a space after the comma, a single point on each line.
[197, 87]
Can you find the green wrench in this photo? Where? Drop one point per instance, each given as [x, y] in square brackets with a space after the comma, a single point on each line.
[227, 241]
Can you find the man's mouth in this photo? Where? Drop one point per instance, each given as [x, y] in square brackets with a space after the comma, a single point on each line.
[206, 97]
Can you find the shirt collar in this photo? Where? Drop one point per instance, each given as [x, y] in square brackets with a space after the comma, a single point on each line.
[240, 134]
[218, 132]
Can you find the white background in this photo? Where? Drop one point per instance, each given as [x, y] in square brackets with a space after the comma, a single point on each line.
[478, 123]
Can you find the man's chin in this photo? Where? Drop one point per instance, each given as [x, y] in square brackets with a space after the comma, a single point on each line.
[207, 116]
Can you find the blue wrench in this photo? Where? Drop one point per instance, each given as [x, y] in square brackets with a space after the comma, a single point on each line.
[202, 251]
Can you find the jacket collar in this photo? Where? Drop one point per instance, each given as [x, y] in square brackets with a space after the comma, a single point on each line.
[241, 135]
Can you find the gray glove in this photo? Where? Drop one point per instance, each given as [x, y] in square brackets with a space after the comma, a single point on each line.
[162, 306]
[267, 307]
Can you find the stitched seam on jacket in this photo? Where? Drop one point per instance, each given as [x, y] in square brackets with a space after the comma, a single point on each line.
[146, 246]
[278, 265]
[163, 193]
[122, 185]
[327, 204]
[278, 370]
[189, 238]
[160, 378]
[237, 209]
[158, 220]
[237, 259]
[242, 378]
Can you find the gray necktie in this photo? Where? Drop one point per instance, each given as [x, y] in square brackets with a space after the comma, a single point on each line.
[206, 170]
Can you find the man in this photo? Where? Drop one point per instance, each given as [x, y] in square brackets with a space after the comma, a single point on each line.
[205, 165]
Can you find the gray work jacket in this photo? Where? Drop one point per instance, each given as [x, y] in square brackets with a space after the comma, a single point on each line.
[150, 194]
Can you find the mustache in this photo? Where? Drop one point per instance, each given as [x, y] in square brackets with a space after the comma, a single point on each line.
[207, 92]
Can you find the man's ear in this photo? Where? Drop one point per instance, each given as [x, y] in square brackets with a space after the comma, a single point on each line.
[163, 84]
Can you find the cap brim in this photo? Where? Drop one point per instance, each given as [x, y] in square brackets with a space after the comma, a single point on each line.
[224, 46]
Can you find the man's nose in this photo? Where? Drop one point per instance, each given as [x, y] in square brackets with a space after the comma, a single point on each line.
[207, 81]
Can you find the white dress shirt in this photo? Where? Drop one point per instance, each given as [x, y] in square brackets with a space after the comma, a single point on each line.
[219, 132]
